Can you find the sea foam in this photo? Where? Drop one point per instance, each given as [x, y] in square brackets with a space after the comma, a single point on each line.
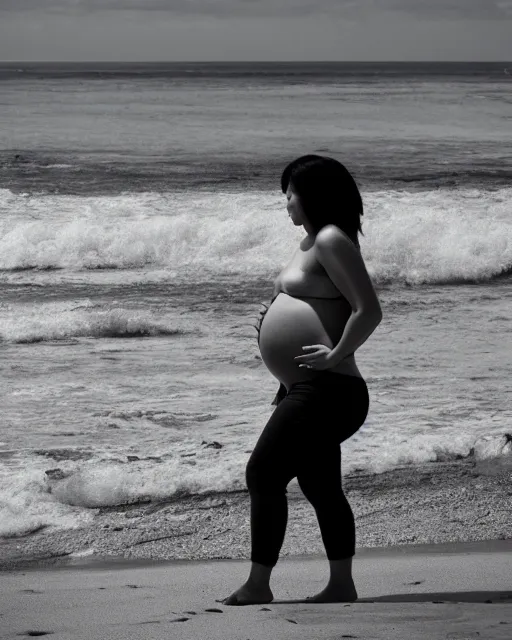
[52, 322]
[67, 497]
[411, 237]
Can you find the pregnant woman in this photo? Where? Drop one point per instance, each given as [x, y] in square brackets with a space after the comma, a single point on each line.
[324, 308]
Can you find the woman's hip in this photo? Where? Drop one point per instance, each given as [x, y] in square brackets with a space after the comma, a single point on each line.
[337, 402]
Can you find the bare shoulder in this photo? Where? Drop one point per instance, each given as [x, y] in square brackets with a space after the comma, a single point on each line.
[332, 236]
[345, 266]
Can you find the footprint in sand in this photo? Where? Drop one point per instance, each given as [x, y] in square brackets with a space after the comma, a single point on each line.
[215, 610]
[183, 619]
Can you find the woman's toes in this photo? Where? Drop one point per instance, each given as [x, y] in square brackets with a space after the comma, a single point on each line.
[231, 600]
[245, 596]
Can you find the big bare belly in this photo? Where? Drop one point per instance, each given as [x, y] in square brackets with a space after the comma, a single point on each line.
[291, 323]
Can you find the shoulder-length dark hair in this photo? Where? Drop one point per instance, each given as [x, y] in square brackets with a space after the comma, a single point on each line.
[328, 193]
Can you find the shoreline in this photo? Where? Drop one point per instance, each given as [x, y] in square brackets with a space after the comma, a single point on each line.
[434, 503]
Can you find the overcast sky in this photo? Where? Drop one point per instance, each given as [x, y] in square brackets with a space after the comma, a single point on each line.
[196, 30]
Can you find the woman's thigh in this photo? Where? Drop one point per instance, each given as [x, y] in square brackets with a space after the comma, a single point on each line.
[273, 459]
[308, 425]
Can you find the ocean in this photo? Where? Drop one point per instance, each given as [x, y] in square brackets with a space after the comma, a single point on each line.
[142, 224]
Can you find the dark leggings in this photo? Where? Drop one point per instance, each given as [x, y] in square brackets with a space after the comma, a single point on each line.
[302, 439]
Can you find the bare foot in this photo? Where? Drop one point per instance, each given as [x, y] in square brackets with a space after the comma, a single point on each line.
[248, 594]
[335, 594]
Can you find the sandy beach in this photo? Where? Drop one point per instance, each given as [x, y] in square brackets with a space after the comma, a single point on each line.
[143, 224]
[433, 561]
[426, 592]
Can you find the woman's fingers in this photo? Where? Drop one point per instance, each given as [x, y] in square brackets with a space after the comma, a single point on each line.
[304, 359]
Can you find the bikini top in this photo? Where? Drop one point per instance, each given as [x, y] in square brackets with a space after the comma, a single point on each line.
[314, 297]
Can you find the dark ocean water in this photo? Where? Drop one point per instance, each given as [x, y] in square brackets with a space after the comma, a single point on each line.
[308, 72]
[106, 127]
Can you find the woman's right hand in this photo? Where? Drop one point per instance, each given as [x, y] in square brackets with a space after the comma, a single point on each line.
[261, 315]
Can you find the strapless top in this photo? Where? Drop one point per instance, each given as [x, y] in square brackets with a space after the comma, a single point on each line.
[300, 296]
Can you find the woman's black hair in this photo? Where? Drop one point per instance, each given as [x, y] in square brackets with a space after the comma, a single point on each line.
[328, 193]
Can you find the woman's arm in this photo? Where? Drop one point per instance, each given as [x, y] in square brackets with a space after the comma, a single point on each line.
[344, 265]
[358, 329]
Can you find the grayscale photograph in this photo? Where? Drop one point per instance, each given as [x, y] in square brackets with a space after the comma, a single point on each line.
[256, 319]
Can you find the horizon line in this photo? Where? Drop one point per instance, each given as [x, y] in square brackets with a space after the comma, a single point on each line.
[250, 61]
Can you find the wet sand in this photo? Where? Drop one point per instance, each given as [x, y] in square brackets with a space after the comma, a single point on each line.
[433, 503]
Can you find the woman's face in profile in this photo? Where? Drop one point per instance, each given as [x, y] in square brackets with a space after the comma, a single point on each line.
[294, 207]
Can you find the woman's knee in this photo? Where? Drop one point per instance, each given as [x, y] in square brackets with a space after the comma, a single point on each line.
[260, 478]
[255, 476]
[320, 487]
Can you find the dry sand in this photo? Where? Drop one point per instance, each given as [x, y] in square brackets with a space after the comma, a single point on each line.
[433, 561]
[460, 590]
